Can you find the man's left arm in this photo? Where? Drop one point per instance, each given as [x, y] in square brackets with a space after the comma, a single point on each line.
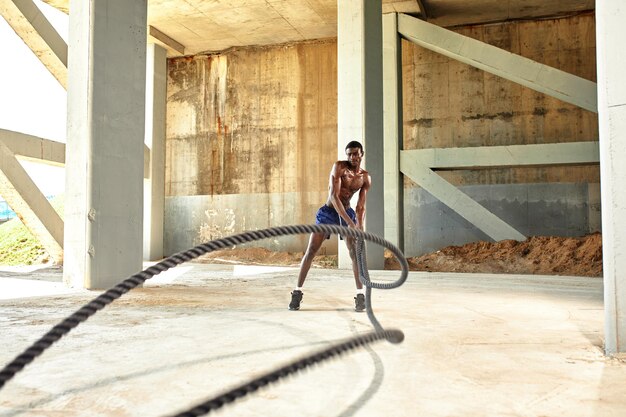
[360, 205]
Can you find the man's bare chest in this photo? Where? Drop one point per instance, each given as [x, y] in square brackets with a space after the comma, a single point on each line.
[352, 181]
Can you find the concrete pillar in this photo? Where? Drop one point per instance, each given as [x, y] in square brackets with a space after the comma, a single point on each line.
[154, 185]
[392, 114]
[105, 136]
[360, 113]
[611, 66]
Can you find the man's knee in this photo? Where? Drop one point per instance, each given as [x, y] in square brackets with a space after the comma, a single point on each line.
[315, 243]
[309, 254]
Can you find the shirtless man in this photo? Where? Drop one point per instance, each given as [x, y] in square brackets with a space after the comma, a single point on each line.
[346, 178]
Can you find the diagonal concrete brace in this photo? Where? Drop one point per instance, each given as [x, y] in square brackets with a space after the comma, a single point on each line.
[31, 206]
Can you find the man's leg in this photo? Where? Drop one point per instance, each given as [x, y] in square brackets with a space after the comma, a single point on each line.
[355, 269]
[315, 242]
[359, 300]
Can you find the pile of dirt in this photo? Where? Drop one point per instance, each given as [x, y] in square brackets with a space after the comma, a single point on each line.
[540, 255]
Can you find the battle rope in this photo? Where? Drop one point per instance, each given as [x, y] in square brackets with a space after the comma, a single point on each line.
[249, 387]
[91, 308]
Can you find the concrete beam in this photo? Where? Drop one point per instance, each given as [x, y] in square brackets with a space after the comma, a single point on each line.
[479, 216]
[49, 151]
[571, 153]
[31, 206]
[418, 165]
[392, 131]
[551, 81]
[33, 147]
[38, 34]
[165, 41]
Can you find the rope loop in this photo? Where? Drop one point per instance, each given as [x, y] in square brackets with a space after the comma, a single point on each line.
[112, 294]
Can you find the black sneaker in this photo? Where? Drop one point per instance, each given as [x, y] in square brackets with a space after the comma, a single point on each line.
[359, 302]
[296, 299]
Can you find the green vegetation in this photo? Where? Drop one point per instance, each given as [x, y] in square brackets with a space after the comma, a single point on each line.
[18, 246]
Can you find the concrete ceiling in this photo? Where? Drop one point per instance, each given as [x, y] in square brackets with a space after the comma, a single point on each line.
[189, 27]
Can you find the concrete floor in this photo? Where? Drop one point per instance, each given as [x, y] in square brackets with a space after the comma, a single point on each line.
[476, 345]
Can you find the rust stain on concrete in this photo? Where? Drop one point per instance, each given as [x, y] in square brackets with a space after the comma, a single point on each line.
[501, 115]
[257, 117]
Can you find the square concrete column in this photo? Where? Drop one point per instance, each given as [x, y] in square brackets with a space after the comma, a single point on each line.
[154, 185]
[360, 106]
[392, 113]
[105, 141]
[611, 62]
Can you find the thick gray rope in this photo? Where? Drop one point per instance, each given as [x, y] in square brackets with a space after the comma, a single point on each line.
[365, 279]
[91, 308]
[396, 336]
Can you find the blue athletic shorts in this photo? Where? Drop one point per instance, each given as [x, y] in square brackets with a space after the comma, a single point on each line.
[328, 215]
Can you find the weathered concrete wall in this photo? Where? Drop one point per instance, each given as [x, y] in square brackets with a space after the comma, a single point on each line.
[450, 104]
[556, 209]
[202, 218]
[252, 134]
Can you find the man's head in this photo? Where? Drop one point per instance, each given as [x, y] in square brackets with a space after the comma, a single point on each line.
[354, 152]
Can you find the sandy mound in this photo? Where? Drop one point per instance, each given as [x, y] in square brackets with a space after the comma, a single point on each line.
[541, 255]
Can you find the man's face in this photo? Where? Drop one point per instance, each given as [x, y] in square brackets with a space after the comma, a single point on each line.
[354, 156]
